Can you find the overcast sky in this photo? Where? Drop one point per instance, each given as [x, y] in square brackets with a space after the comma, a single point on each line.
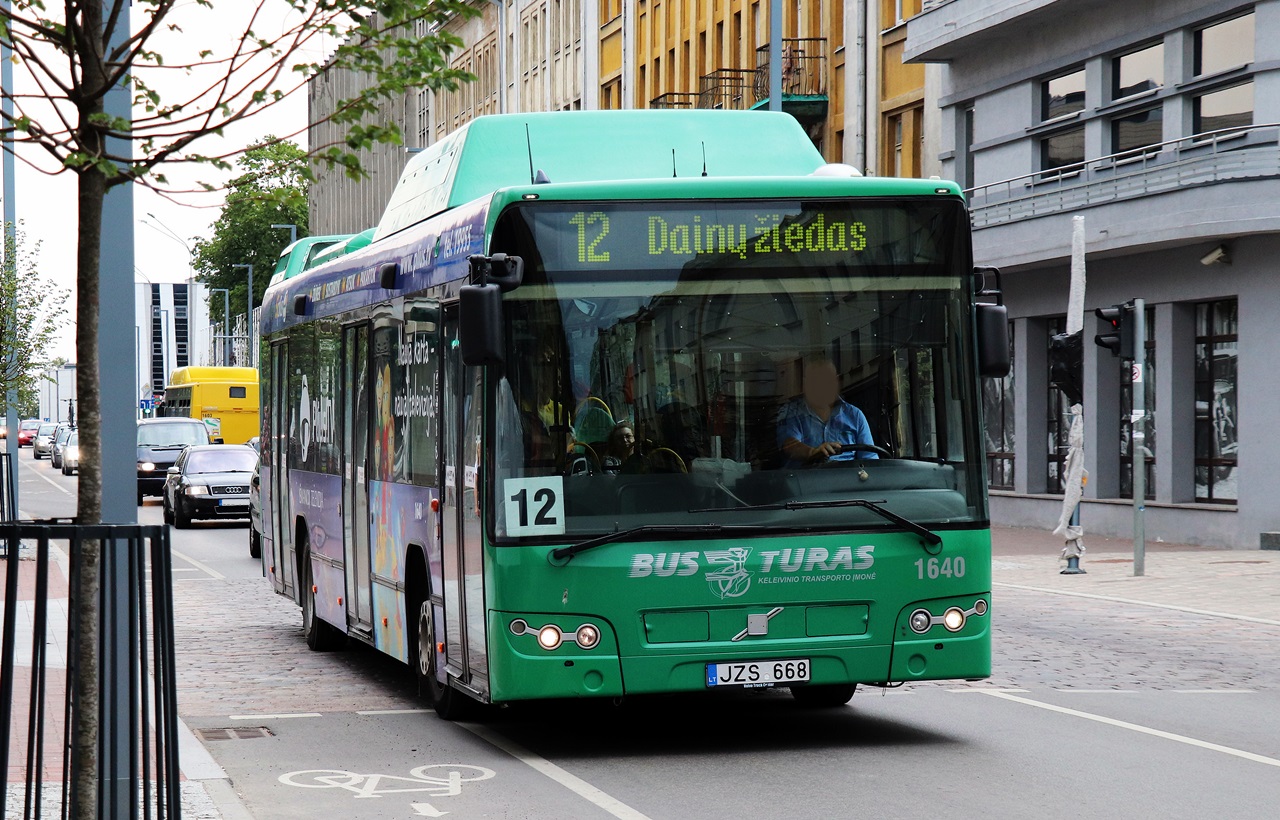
[46, 205]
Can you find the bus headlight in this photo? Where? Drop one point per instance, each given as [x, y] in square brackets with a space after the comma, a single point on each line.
[921, 620]
[953, 619]
[550, 637]
[587, 636]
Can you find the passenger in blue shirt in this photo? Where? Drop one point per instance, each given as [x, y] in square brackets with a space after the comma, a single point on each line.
[815, 426]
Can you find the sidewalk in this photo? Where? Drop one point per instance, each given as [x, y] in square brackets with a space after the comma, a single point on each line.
[1239, 584]
[205, 789]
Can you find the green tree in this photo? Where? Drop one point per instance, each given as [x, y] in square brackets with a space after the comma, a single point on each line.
[75, 52]
[271, 189]
[32, 311]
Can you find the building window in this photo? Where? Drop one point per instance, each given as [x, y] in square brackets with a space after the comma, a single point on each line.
[1127, 445]
[1063, 148]
[1061, 96]
[997, 399]
[1137, 71]
[1225, 45]
[1138, 130]
[1058, 422]
[1217, 329]
[1226, 108]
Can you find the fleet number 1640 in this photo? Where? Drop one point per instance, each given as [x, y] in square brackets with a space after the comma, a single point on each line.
[940, 568]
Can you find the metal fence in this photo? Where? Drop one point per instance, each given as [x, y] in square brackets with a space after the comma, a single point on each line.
[136, 773]
[8, 496]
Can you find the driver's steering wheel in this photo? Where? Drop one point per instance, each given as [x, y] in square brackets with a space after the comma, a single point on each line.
[868, 448]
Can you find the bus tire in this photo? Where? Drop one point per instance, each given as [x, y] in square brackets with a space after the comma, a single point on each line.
[823, 695]
[449, 703]
[320, 635]
[255, 542]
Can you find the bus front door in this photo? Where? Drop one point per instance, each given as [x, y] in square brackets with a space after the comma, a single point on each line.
[465, 653]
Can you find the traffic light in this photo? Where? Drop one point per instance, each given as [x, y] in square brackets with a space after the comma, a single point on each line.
[1065, 365]
[1119, 340]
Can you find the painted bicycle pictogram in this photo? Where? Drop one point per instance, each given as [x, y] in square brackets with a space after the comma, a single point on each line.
[434, 779]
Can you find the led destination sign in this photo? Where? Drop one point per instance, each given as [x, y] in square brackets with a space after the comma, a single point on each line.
[667, 235]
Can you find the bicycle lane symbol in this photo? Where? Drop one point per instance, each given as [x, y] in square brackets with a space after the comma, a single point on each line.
[433, 779]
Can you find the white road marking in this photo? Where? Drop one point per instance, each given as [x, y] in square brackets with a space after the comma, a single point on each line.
[545, 767]
[1114, 599]
[1134, 727]
[392, 711]
[217, 576]
[275, 717]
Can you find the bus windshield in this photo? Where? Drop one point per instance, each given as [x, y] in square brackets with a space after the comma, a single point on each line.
[685, 362]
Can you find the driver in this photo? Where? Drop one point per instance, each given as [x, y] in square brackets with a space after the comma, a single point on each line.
[815, 426]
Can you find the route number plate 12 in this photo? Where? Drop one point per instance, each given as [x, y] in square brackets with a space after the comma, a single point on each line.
[758, 673]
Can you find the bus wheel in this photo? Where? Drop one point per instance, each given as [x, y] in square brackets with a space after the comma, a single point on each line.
[255, 542]
[321, 636]
[823, 696]
[449, 703]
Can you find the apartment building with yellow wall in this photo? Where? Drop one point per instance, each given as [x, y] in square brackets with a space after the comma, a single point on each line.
[842, 77]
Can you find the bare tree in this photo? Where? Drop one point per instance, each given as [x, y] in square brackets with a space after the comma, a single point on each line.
[70, 54]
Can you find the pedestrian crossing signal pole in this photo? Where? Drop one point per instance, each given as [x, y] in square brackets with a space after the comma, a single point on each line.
[1138, 424]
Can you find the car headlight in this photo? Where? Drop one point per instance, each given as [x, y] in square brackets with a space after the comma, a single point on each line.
[71, 452]
[146, 467]
[196, 489]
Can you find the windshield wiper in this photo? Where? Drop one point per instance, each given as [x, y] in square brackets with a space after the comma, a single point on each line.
[566, 553]
[927, 536]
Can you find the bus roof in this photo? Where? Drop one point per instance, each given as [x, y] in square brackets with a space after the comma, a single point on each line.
[337, 249]
[582, 146]
[300, 255]
[201, 374]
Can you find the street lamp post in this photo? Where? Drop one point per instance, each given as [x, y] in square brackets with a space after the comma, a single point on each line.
[226, 313]
[293, 231]
[248, 316]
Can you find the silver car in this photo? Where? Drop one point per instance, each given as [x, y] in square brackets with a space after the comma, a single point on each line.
[59, 443]
[42, 444]
[71, 454]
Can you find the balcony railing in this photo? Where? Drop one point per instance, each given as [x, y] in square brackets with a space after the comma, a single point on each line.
[728, 88]
[804, 68]
[675, 99]
[1251, 152]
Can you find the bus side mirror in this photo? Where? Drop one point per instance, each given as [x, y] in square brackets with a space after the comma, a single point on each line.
[480, 324]
[993, 340]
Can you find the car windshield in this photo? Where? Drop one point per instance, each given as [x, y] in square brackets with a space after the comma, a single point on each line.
[30, 425]
[217, 460]
[73, 439]
[172, 435]
[47, 429]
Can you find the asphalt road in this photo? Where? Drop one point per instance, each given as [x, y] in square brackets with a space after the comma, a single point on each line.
[1098, 707]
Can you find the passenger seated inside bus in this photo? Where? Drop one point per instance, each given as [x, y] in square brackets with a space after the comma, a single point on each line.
[621, 455]
[818, 425]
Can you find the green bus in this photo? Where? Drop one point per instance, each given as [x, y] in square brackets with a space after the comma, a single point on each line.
[533, 439]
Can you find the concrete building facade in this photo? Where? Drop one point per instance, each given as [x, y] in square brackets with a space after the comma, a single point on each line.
[1157, 124]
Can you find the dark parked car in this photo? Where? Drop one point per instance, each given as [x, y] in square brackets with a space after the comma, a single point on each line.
[42, 444]
[209, 481]
[59, 441]
[71, 454]
[160, 442]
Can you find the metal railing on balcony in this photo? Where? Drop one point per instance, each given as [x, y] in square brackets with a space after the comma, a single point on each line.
[675, 99]
[1250, 152]
[804, 68]
[732, 89]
